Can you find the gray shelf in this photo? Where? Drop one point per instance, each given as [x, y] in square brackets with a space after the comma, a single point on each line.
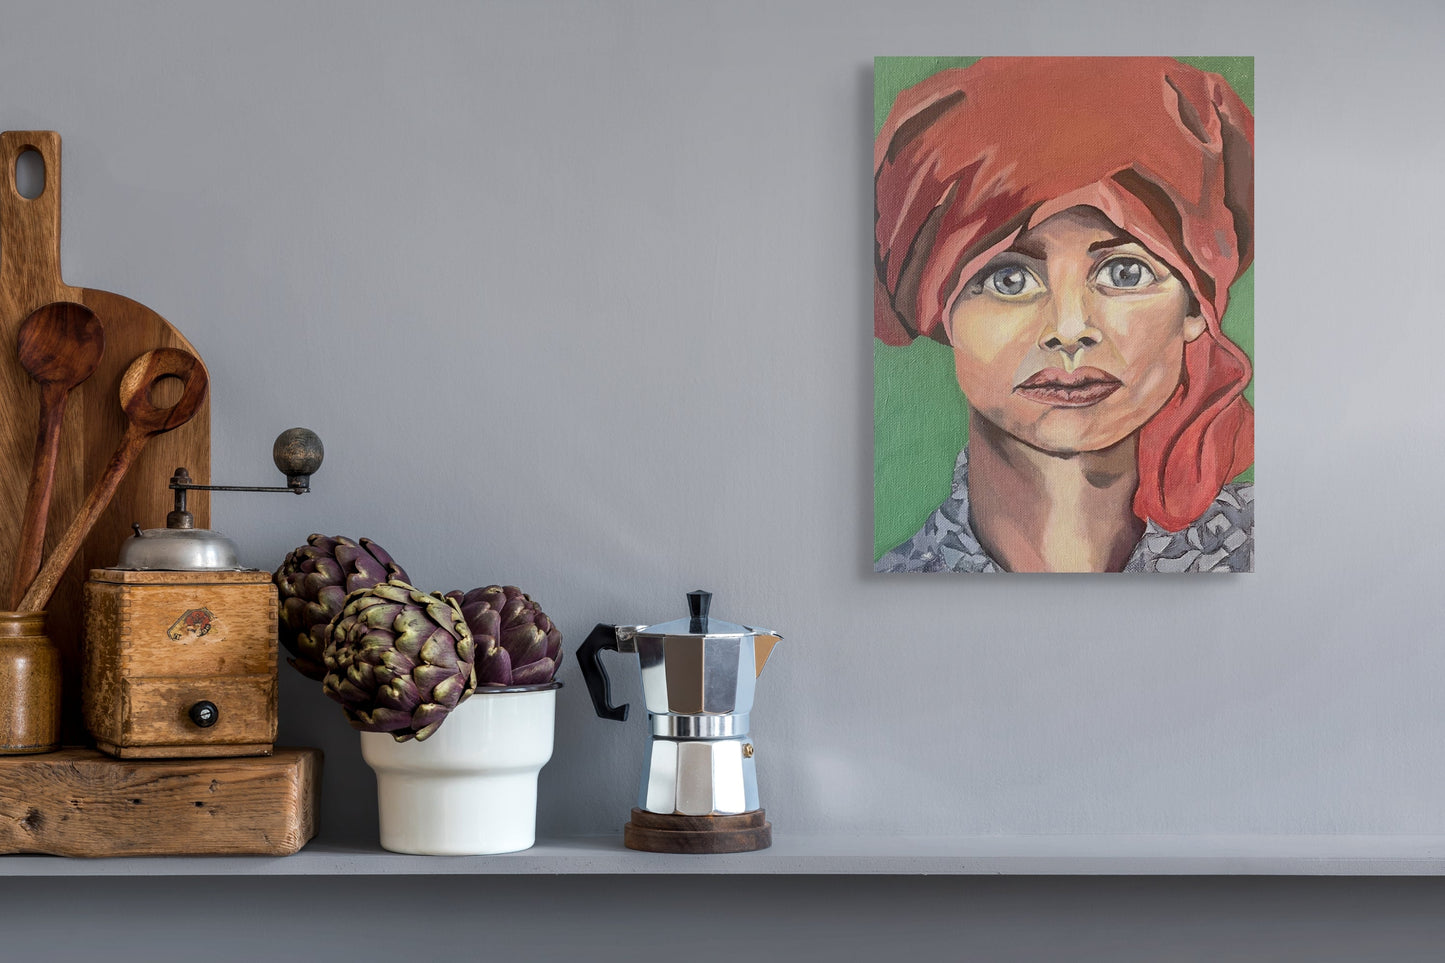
[828, 855]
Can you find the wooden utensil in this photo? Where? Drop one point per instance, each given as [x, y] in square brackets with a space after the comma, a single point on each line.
[29, 277]
[61, 345]
[145, 418]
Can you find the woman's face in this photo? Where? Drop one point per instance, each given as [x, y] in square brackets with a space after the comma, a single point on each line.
[1074, 337]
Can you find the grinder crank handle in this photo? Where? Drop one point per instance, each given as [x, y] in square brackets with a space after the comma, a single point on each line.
[599, 687]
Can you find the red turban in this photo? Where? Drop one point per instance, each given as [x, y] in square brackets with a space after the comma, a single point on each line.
[970, 158]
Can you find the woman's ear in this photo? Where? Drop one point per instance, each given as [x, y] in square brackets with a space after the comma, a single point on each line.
[1193, 327]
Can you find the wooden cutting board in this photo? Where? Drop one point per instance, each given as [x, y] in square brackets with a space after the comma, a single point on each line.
[94, 424]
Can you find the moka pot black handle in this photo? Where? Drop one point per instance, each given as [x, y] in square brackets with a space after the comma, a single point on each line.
[594, 673]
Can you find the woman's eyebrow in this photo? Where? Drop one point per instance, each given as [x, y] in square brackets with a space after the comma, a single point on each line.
[1109, 242]
[1028, 247]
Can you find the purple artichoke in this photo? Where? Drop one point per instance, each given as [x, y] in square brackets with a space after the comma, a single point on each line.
[314, 582]
[517, 644]
[399, 660]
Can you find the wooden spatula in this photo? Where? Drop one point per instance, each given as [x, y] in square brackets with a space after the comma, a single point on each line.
[60, 344]
[144, 418]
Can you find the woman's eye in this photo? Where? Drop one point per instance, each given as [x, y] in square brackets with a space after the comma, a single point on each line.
[1126, 272]
[1011, 281]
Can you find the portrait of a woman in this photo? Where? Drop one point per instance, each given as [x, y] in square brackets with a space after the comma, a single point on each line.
[1070, 229]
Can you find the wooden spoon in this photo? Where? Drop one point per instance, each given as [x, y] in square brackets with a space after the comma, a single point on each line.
[144, 419]
[61, 345]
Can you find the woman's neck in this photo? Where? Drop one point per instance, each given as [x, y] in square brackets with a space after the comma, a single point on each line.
[1037, 512]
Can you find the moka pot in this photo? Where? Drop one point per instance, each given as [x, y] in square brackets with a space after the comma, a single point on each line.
[698, 677]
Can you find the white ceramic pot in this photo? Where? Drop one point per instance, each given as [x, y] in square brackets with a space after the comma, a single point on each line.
[469, 789]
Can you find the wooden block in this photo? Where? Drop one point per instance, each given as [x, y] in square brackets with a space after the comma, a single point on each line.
[78, 802]
[158, 643]
[702, 835]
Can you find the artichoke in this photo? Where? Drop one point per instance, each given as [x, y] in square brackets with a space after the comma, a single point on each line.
[517, 644]
[399, 660]
[314, 582]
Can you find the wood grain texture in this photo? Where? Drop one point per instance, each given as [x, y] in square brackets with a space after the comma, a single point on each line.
[700, 835]
[130, 576]
[30, 277]
[212, 751]
[153, 714]
[60, 345]
[159, 642]
[100, 676]
[239, 639]
[77, 802]
[144, 419]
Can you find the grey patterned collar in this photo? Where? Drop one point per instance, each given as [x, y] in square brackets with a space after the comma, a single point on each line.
[1220, 540]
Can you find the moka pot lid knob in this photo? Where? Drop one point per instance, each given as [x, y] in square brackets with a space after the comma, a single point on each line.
[698, 622]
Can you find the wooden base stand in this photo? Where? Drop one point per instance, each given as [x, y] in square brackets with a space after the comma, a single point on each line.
[78, 802]
[671, 833]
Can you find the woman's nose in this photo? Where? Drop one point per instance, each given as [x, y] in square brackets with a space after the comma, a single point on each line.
[1069, 328]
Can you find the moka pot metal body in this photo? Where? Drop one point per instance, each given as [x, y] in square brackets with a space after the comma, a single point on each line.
[698, 680]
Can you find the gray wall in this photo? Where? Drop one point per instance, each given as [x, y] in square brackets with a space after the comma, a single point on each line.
[577, 295]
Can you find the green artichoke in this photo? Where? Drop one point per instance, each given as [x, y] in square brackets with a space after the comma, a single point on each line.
[517, 644]
[399, 660]
[314, 582]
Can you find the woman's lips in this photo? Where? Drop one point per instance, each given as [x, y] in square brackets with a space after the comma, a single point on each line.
[1079, 388]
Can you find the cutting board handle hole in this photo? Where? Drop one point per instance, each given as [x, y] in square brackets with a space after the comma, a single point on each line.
[30, 174]
[166, 391]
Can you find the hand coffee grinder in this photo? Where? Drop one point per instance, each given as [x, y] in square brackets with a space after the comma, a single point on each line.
[699, 790]
[180, 640]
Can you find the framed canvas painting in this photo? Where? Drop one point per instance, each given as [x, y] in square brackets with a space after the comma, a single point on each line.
[1063, 314]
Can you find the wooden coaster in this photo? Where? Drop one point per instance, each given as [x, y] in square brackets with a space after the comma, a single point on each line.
[78, 802]
[673, 833]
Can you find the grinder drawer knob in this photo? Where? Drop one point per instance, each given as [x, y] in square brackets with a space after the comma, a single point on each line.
[204, 714]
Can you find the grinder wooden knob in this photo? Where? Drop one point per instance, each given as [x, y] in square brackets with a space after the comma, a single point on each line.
[298, 453]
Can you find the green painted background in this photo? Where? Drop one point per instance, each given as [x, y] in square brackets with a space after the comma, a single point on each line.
[920, 420]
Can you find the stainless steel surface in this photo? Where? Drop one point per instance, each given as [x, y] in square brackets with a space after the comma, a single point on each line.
[720, 673]
[651, 654]
[627, 637]
[659, 777]
[699, 727]
[715, 777]
[742, 674]
[728, 784]
[716, 628]
[179, 550]
[698, 687]
[694, 778]
[539, 687]
[763, 645]
[689, 674]
[706, 626]
[750, 777]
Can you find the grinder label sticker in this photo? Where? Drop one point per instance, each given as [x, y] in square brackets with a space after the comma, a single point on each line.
[195, 623]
